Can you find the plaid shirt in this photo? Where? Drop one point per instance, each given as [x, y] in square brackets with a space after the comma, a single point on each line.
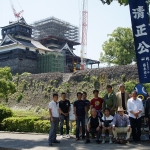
[121, 121]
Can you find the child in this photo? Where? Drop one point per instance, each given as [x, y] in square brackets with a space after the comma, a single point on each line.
[106, 125]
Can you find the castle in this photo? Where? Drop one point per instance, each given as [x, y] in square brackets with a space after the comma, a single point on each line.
[44, 46]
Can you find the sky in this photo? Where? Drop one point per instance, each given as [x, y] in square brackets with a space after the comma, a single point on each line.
[102, 19]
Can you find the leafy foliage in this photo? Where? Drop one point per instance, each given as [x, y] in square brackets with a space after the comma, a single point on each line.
[130, 86]
[121, 2]
[5, 112]
[119, 49]
[6, 85]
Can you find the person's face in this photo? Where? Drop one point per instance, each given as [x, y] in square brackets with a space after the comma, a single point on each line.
[134, 95]
[121, 113]
[122, 88]
[106, 113]
[55, 98]
[63, 96]
[79, 96]
[94, 113]
[109, 90]
[84, 96]
[95, 94]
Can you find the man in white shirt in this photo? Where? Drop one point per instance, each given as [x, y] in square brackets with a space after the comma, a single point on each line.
[135, 108]
[54, 119]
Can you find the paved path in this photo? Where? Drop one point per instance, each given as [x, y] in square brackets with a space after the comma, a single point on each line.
[39, 142]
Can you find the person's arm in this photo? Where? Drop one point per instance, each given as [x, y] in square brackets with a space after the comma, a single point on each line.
[146, 110]
[104, 103]
[114, 122]
[75, 113]
[129, 108]
[128, 124]
[85, 109]
[88, 125]
[51, 116]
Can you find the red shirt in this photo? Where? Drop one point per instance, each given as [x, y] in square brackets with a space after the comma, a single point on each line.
[97, 103]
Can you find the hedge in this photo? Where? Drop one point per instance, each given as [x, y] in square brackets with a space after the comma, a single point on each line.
[19, 124]
[5, 113]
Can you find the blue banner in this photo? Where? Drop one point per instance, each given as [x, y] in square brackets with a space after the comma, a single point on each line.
[140, 26]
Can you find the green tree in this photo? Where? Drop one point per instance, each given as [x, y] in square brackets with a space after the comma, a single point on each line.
[119, 49]
[121, 2]
[6, 85]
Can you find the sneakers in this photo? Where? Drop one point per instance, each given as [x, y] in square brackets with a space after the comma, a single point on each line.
[103, 141]
[61, 136]
[68, 136]
[110, 142]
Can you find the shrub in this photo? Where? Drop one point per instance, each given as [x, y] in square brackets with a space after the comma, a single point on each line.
[5, 112]
[130, 86]
[42, 126]
[19, 98]
[147, 86]
[20, 124]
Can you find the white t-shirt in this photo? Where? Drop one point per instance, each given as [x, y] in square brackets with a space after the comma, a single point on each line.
[135, 106]
[107, 118]
[54, 108]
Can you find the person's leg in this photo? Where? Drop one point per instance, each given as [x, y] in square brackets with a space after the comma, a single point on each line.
[115, 132]
[98, 133]
[56, 122]
[83, 126]
[110, 135]
[67, 124]
[124, 130]
[138, 123]
[103, 135]
[133, 126]
[77, 127]
[51, 132]
[149, 125]
[61, 124]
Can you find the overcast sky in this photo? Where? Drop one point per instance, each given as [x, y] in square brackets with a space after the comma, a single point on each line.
[102, 19]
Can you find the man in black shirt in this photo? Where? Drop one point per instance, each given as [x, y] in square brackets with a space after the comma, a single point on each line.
[64, 108]
[93, 126]
[80, 113]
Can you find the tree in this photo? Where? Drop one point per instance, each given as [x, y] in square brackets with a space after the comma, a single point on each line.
[6, 85]
[119, 49]
[121, 2]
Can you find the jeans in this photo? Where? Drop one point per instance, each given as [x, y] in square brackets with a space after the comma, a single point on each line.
[93, 131]
[82, 120]
[62, 119]
[53, 130]
[136, 128]
[149, 125]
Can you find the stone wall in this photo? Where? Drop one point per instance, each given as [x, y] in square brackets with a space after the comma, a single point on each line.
[20, 65]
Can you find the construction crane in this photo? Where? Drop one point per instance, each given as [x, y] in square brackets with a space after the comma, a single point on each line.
[84, 34]
[17, 15]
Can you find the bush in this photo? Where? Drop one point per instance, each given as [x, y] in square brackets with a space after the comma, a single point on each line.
[130, 86]
[5, 113]
[42, 126]
[19, 124]
[19, 98]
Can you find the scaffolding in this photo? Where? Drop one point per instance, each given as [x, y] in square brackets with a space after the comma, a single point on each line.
[56, 28]
[51, 62]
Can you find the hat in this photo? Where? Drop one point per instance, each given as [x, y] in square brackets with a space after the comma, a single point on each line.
[120, 108]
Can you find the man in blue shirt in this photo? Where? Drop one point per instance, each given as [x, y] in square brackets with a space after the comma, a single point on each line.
[80, 112]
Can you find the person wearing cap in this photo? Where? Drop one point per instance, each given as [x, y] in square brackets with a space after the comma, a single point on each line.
[110, 100]
[121, 124]
[96, 103]
[135, 109]
[122, 97]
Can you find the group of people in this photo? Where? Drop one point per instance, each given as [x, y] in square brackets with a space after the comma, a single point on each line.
[114, 113]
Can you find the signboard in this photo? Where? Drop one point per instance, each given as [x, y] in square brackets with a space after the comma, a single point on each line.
[140, 26]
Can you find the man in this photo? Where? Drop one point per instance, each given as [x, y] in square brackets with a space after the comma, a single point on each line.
[87, 103]
[147, 113]
[110, 100]
[135, 108]
[93, 126]
[54, 119]
[121, 124]
[64, 109]
[80, 113]
[122, 97]
[97, 102]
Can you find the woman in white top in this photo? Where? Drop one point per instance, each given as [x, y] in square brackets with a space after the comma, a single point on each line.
[106, 125]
